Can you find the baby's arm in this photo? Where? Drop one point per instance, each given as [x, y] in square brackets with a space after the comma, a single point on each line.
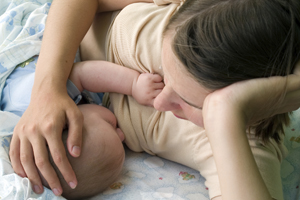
[103, 76]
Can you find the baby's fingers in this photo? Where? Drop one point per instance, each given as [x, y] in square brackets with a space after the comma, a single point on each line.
[155, 93]
[158, 86]
[157, 78]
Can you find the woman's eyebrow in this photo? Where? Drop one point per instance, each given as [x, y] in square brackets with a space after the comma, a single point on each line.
[193, 105]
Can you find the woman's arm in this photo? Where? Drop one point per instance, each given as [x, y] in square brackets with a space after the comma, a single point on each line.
[50, 107]
[226, 126]
[103, 76]
[228, 112]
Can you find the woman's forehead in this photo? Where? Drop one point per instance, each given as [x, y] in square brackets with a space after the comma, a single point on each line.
[179, 78]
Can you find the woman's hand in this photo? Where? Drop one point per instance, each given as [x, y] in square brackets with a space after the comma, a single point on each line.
[225, 119]
[259, 98]
[41, 125]
[227, 113]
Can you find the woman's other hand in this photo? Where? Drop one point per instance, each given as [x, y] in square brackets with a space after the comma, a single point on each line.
[41, 125]
[259, 98]
[227, 113]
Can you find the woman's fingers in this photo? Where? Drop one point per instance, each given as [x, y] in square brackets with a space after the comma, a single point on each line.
[14, 154]
[291, 102]
[58, 153]
[28, 163]
[43, 164]
[74, 141]
[297, 68]
[293, 80]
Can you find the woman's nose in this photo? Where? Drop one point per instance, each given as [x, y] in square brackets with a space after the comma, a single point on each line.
[166, 100]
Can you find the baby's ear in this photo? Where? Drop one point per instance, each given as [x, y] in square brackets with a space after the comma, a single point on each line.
[120, 134]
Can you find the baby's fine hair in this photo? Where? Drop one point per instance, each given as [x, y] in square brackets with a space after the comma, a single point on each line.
[95, 172]
[221, 42]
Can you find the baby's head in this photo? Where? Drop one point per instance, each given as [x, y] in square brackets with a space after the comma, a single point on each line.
[101, 158]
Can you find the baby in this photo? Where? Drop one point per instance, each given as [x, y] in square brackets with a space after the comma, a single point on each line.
[94, 172]
[97, 171]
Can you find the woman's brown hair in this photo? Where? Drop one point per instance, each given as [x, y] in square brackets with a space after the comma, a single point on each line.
[221, 42]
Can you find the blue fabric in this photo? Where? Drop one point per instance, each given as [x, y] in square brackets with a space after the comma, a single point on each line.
[16, 93]
[17, 89]
[22, 24]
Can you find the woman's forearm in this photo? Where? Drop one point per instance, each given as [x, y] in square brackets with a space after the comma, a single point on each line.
[66, 25]
[238, 173]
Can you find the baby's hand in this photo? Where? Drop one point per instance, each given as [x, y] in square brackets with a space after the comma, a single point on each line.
[146, 88]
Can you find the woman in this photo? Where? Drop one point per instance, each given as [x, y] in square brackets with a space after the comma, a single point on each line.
[185, 98]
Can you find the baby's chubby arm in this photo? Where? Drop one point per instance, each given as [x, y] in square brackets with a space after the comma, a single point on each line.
[103, 76]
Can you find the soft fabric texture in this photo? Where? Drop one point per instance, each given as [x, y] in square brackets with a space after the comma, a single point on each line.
[135, 41]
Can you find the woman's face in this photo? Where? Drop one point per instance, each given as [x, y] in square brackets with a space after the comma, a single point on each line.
[182, 95]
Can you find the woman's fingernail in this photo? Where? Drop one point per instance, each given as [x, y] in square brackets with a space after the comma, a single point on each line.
[37, 189]
[76, 150]
[72, 185]
[56, 192]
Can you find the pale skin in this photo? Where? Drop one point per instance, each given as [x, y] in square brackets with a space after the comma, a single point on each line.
[102, 76]
[188, 100]
[50, 107]
[232, 109]
[57, 78]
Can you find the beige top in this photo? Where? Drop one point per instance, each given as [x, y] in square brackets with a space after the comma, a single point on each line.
[141, 43]
[139, 26]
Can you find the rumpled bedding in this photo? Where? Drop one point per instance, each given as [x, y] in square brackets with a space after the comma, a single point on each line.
[144, 176]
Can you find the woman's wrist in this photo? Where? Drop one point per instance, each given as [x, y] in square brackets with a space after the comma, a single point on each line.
[219, 107]
[51, 76]
[49, 85]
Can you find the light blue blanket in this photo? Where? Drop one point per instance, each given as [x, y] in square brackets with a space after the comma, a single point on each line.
[22, 24]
